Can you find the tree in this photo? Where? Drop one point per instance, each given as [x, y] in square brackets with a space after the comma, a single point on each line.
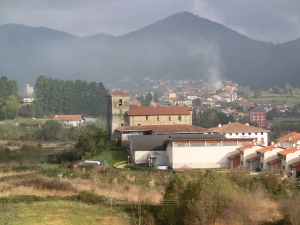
[52, 130]
[257, 93]
[11, 108]
[148, 99]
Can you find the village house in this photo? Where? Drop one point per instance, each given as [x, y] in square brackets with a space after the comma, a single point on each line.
[239, 130]
[290, 160]
[269, 160]
[70, 120]
[289, 140]
[248, 156]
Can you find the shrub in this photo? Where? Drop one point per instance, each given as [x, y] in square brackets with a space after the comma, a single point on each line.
[44, 183]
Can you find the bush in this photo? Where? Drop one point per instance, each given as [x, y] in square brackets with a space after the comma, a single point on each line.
[88, 197]
[44, 183]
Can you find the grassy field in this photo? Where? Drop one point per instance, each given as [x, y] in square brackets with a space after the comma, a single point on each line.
[65, 212]
[277, 98]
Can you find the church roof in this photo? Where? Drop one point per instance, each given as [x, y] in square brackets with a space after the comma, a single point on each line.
[165, 129]
[117, 93]
[157, 111]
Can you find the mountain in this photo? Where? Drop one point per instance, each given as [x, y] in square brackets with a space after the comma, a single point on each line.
[182, 46]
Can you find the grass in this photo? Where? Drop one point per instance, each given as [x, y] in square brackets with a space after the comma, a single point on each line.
[111, 157]
[65, 212]
[277, 98]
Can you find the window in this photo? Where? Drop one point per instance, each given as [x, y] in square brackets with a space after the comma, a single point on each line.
[261, 165]
[249, 133]
[146, 117]
[241, 163]
[283, 167]
[179, 117]
[157, 118]
[243, 133]
[120, 102]
[169, 118]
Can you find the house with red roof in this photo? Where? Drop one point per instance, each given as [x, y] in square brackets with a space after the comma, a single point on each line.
[289, 140]
[269, 160]
[248, 156]
[290, 160]
[70, 120]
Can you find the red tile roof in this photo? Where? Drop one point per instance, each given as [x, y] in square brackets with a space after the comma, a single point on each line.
[253, 158]
[165, 129]
[274, 161]
[161, 110]
[251, 145]
[234, 156]
[117, 93]
[67, 117]
[293, 137]
[268, 148]
[288, 151]
[295, 164]
[237, 128]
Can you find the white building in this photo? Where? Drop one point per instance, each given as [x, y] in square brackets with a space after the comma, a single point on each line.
[185, 150]
[70, 120]
[239, 130]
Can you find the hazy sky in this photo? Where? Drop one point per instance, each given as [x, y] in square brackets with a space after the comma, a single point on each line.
[274, 21]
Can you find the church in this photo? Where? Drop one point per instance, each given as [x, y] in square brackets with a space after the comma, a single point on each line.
[123, 120]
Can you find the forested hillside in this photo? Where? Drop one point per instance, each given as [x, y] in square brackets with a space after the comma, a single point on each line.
[180, 46]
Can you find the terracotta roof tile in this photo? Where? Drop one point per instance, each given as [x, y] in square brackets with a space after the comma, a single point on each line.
[274, 161]
[237, 128]
[234, 156]
[295, 164]
[117, 93]
[293, 137]
[67, 117]
[268, 148]
[165, 129]
[251, 145]
[161, 110]
[288, 151]
[253, 158]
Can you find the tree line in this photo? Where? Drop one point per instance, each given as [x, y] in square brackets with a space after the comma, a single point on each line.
[67, 97]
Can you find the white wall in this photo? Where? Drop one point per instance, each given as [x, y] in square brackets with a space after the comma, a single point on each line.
[142, 156]
[268, 156]
[200, 157]
[261, 138]
[249, 153]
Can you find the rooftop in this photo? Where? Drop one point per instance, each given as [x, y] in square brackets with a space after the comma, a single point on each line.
[292, 137]
[165, 129]
[117, 93]
[289, 150]
[67, 117]
[237, 127]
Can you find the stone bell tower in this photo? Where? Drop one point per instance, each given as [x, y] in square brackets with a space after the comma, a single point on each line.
[117, 106]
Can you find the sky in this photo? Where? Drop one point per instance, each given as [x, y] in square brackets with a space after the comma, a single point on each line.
[275, 21]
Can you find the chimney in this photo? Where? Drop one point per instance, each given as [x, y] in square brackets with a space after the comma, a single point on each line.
[275, 145]
[219, 125]
[298, 147]
[272, 143]
[290, 138]
[247, 124]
